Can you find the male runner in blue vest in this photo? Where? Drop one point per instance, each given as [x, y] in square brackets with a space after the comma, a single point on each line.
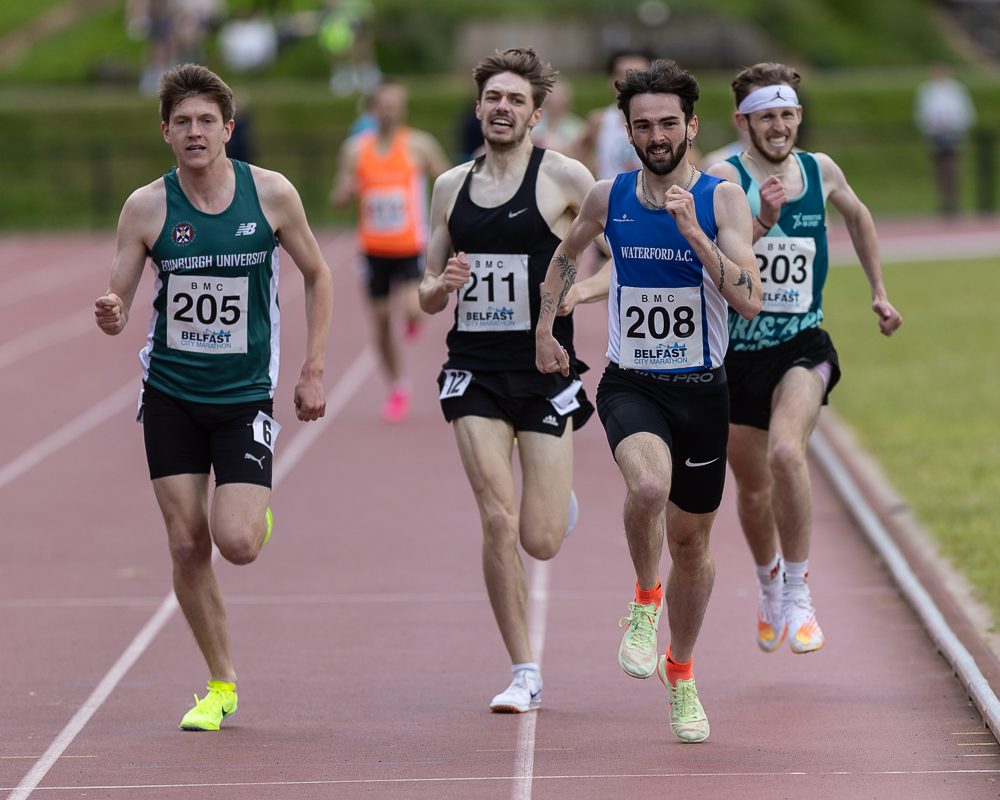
[782, 365]
[211, 228]
[680, 243]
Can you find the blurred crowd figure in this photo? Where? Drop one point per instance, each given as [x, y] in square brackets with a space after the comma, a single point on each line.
[944, 113]
[175, 30]
[602, 143]
[559, 127]
[346, 33]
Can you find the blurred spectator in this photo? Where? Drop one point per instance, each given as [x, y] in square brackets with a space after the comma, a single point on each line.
[944, 113]
[248, 43]
[346, 33]
[559, 126]
[603, 143]
[470, 136]
[366, 120]
[176, 31]
[726, 151]
[241, 143]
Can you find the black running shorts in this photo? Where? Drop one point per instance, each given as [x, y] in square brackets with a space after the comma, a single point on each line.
[383, 271]
[754, 375]
[522, 397]
[190, 438]
[689, 411]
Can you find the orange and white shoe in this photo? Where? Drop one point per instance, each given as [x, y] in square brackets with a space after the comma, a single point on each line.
[804, 633]
[771, 623]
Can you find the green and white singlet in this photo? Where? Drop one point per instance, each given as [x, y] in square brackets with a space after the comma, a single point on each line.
[214, 333]
[793, 263]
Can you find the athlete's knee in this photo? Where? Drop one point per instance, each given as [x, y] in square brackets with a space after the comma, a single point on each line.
[754, 499]
[691, 553]
[190, 553]
[787, 458]
[545, 546]
[648, 492]
[240, 552]
[499, 527]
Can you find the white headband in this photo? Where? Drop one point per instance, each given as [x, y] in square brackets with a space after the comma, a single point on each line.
[777, 96]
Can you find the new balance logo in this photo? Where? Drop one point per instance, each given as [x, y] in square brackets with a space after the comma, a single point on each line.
[551, 420]
[260, 461]
[246, 228]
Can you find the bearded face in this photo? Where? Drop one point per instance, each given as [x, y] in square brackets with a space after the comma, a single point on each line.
[661, 158]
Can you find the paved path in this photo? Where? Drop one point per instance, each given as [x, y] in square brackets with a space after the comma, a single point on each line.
[364, 641]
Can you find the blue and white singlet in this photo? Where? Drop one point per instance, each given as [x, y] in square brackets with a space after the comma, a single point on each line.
[665, 314]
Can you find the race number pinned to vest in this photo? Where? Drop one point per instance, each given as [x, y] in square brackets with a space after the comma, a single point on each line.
[265, 431]
[566, 400]
[206, 314]
[385, 210]
[496, 296]
[786, 272]
[661, 328]
[455, 382]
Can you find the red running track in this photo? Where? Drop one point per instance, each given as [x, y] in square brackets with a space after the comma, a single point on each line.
[365, 645]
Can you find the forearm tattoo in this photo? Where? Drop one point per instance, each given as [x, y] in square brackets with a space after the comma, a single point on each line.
[722, 266]
[567, 272]
[745, 280]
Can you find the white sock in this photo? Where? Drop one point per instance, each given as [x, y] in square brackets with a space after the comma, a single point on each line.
[532, 676]
[796, 572]
[769, 573]
[515, 668]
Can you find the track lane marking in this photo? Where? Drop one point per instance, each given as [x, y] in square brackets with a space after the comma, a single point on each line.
[342, 392]
[70, 432]
[62, 330]
[538, 606]
[485, 778]
[57, 276]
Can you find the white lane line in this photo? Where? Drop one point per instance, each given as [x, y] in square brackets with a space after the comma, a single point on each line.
[524, 753]
[484, 778]
[351, 381]
[57, 276]
[47, 335]
[70, 432]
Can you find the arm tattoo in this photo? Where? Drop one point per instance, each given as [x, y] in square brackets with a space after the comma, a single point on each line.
[547, 306]
[567, 269]
[722, 266]
[745, 280]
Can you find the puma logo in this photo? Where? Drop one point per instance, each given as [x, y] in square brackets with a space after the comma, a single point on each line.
[260, 461]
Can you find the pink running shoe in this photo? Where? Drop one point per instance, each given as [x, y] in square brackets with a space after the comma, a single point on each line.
[397, 405]
[413, 331]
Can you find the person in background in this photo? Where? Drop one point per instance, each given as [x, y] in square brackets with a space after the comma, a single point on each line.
[559, 127]
[944, 113]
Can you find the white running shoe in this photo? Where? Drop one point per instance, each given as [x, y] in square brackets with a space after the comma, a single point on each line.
[687, 717]
[771, 624]
[523, 694]
[574, 513]
[804, 633]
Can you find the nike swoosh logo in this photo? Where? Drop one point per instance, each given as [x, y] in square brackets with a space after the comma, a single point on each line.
[690, 463]
[512, 214]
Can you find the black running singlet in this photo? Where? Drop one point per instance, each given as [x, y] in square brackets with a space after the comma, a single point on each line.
[509, 248]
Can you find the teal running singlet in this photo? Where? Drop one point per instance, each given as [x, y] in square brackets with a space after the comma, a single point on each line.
[213, 336]
[793, 263]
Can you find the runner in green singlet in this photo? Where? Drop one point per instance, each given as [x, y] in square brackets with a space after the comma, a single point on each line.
[781, 365]
[211, 229]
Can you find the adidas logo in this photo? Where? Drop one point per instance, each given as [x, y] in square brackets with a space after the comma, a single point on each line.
[550, 420]
[246, 229]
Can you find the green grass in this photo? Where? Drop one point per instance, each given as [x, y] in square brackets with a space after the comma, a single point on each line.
[926, 403]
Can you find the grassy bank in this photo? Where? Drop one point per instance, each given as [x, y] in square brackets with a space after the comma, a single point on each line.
[925, 402]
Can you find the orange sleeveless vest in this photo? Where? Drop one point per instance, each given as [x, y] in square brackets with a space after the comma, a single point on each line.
[392, 192]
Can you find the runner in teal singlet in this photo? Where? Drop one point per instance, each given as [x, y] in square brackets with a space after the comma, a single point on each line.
[781, 365]
[211, 228]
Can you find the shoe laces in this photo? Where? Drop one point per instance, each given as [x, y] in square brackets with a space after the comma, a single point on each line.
[210, 702]
[682, 701]
[640, 624]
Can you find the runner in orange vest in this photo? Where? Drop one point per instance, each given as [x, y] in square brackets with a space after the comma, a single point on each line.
[387, 170]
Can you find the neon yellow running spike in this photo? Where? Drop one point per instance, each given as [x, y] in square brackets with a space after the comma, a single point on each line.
[270, 525]
[637, 654]
[219, 703]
